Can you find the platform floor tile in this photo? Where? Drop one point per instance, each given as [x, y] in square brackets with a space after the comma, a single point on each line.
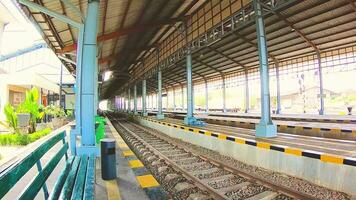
[147, 181]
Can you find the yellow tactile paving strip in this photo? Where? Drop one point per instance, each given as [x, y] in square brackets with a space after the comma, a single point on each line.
[135, 164]
[128, 153]
[147, 181]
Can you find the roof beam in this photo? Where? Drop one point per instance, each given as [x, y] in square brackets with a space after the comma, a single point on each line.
[292, 26]
[123, 31]
[227, 57]
[123, 20]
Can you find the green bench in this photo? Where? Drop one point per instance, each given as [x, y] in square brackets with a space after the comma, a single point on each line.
[75, 181]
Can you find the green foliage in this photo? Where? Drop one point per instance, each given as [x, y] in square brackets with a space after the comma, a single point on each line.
[11, 117]
[55, 111]
[31, 106]
[22, 139]
[69, 113]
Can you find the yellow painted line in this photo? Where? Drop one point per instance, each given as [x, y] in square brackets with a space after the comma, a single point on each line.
[195, 130]
[147, 181]
[222, 136]
[263, 145]
[296, 152]
[335, 131]
[315, 130]
[240, 141]
[135, 164]
[283, 127]
[128, 153]
[113, 190]
[208, 133]
[331, 159]
[299, 128]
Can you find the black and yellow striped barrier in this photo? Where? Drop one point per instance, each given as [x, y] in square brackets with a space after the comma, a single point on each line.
[291, 151]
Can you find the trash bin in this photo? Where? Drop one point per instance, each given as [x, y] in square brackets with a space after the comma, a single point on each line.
[108, 159]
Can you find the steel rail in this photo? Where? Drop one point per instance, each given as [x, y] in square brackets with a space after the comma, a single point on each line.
[279, 188]
[213, 192]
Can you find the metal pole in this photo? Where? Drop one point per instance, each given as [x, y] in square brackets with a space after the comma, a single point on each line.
[174, 99]
[124, 100]
[206, 97]
[278, 111]
[144, 111]
[189, 119]
[129, 99]
[247, 93]
[265, 128]
[321, 85]
[135, 99]
[88, 78]
[182, 98]
[60, 88]
[224, 93]
[167, 99]
[159, 113]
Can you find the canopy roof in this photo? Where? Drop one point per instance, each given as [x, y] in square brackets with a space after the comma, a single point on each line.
[221, 34]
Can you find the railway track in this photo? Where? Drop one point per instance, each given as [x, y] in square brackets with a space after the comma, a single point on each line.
[186, 175]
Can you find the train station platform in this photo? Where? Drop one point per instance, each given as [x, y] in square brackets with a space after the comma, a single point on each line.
[311, 158]
[315, 127]
[133, 180]
[348, 119]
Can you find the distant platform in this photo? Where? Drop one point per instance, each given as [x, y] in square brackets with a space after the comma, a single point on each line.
[293, 125]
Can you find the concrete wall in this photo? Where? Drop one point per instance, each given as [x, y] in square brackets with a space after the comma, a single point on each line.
[334, 176]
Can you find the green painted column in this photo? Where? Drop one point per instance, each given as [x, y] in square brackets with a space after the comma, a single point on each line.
[224, 93]
[247, 93]
[135, 100]
[144, 109]
[160, 114]
[265, 128]
[129, 100]
[159, 103]
[189, 119]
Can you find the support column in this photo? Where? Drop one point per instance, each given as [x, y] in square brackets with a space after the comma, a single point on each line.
[121, 107]
[182, 98]
[159, 103]
[96, 88]
[190, 119]
[129, 100]
[278, 111]
[135, 100]
[321, 85]
[174, 99]
[124, 101]
[247, 93]
[206, 97]
[61, 103]
[265, 128]
[144, 111]
[89, 64]
[224, 93]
